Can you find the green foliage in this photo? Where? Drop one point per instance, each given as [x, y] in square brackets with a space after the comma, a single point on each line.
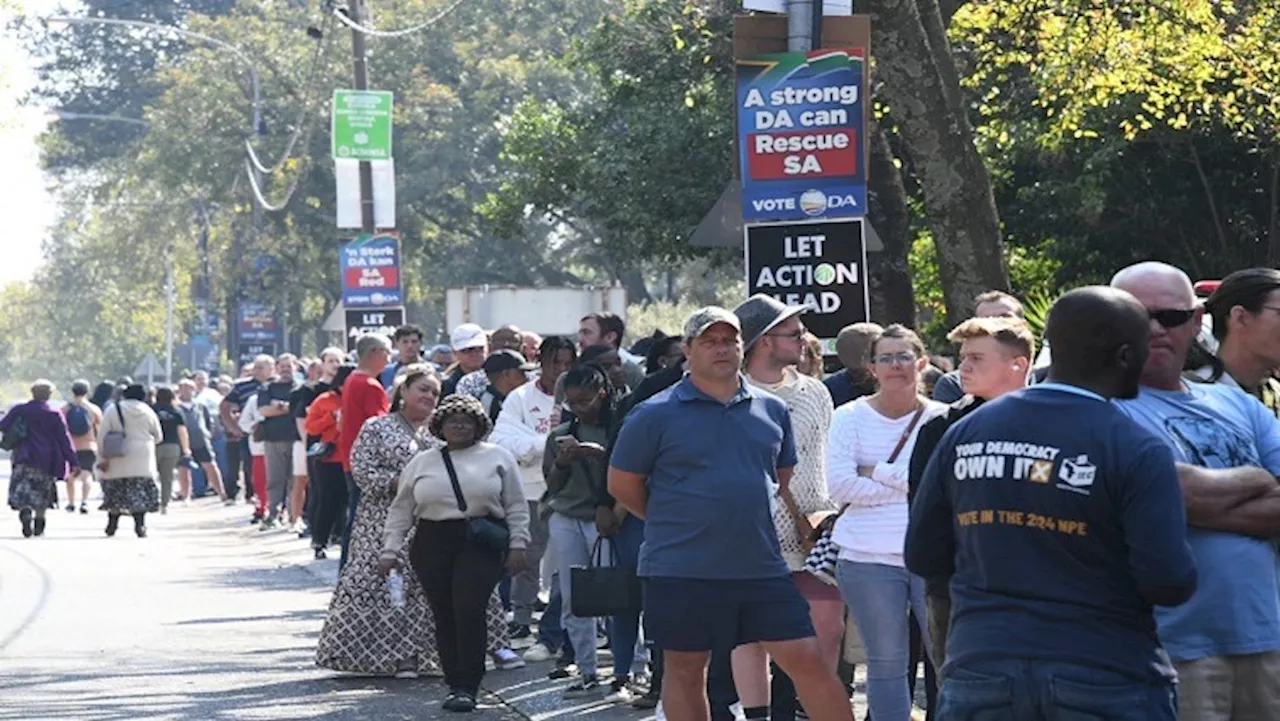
[666, 316]
[636, 158]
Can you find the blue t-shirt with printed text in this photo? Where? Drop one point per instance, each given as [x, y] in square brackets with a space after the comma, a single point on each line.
[711, 470]
[1051, 513]
[1236, 608]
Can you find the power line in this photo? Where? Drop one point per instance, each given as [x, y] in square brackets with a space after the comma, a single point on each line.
[307, 99]
[342, 18]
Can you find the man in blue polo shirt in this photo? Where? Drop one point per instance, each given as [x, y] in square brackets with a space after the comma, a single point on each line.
[1225, 641]
[1060, 522]
[701, 462]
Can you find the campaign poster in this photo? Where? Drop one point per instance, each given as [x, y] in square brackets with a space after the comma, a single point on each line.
[257, 324]
[383, 321]
[370, 270]
[802, 134]
[820, 264]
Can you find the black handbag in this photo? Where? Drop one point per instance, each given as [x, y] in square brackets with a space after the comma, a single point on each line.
[599, 590]
[485, 531]
[16, 434]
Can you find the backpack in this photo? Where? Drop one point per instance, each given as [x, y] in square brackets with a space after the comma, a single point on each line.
[79, 422]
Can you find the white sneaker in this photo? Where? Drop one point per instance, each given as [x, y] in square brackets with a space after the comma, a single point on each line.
[504, 659]
[538, 653]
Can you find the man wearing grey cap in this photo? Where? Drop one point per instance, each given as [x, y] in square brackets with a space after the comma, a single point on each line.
[773, 338]
[699, 462]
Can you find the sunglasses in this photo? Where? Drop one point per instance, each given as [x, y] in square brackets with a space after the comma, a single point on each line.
[1171, 318]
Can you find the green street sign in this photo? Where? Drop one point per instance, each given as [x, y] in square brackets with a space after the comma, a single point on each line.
[362, 124]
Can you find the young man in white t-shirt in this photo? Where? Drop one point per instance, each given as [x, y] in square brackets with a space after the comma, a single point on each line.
[527, 417]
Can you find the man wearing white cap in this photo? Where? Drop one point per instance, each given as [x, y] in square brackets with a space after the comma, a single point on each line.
[470, 348]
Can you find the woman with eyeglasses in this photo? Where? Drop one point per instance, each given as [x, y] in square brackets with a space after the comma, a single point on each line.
[575, 464]
[868, 455]
[461, 513]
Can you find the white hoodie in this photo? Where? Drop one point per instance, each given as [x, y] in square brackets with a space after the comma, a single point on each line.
[526, 419]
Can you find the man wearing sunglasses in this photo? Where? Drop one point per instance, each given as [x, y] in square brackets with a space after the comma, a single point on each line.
[1224, 641]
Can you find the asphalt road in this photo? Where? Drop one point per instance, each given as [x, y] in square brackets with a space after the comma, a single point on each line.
[205, 619]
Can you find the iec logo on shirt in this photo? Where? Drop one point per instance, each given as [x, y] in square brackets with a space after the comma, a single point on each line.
[1078, 474]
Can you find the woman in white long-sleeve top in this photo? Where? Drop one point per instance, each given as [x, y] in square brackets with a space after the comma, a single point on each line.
[868, 454]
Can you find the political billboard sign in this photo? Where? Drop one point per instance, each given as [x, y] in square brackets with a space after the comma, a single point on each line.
[820, 264]
[802, 134]
[370, 270]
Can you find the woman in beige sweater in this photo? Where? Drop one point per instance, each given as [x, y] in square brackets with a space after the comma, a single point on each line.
[129, 481]
[472, 520]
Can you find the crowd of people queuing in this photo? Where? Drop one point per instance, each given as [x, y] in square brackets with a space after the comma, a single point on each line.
[1084, 530]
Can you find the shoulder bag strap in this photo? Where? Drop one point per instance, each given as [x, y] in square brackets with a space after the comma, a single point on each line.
[897, 450]
[453, 479]
[120, 413]
[902, 442]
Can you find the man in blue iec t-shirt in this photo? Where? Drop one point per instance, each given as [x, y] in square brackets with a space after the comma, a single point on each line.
[1225, 641]
[700, 463]
[1061, 524]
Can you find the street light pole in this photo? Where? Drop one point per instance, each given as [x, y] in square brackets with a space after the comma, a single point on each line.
[355, 11]
[255, 120]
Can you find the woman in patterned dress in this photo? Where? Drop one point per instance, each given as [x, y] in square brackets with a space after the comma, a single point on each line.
[363, 633]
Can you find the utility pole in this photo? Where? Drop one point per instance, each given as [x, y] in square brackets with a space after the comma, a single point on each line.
[355, 11]
[168, 318]
[804, 25]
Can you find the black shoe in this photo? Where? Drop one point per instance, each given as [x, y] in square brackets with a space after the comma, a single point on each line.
[84, 509]
[648, 701]
[113, 522]
[561, 672]
[140, 525]
[460, 702]
[518, 631]
[25, 516]
[39, 526]
[141, 531]
[71, 508]
[320, 554]
[539, 605]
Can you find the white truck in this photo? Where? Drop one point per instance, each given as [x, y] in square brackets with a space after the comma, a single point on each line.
[545, 311]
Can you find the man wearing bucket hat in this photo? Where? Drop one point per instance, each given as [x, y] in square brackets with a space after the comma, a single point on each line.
[699, 462]
[773, 339]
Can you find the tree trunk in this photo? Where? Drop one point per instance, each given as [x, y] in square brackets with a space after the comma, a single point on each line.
[926, 102]
[892, 294]
[637, 291]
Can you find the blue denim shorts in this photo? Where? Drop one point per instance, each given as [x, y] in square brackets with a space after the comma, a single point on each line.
[690, 614]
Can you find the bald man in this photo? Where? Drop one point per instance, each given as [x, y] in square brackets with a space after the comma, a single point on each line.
[1060, 524]
[1225, 641]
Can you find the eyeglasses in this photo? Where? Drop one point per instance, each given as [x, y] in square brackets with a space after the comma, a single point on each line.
[1171, 318]
[888, 359]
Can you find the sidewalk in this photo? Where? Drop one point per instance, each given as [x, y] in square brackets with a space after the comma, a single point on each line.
[526, 690]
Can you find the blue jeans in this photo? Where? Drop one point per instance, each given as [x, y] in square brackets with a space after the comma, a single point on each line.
[624, 631]
[878, 596]
[1051, 691]
[573, 541]
[550, 630]
[353, 500]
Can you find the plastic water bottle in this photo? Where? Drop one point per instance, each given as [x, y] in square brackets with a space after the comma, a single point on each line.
[395, 587]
